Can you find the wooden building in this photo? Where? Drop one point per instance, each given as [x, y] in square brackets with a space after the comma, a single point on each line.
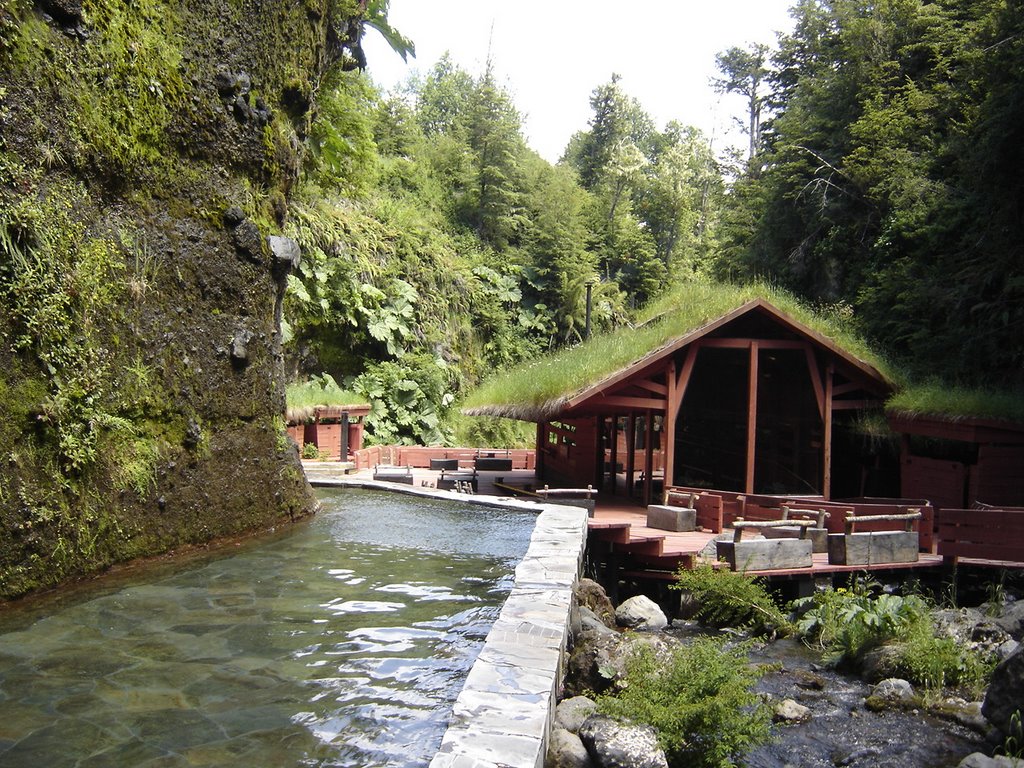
[753, 401]
[961, 462]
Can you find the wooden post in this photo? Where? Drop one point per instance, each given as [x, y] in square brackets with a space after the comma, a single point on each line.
[538, 461]
[668, 437]
[630, 452]
[649, 457]
[615, 453]
[826, 475]
[599, 424]
[752, 417]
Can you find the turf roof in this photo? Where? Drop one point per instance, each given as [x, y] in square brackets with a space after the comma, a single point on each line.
[537, 390]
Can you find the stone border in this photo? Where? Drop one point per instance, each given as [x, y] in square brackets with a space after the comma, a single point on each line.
[503, 716]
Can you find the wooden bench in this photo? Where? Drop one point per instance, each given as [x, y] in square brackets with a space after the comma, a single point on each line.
[766, 554]
[677, 512]
[390, 474]
[816, 532]
[875, 547]
[571, 497]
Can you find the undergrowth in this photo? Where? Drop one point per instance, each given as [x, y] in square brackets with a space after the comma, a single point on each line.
[700, 702]
[732, 599]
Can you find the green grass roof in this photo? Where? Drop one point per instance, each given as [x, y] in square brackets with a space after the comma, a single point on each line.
[957, 403]
[304, 398]
[538, 388]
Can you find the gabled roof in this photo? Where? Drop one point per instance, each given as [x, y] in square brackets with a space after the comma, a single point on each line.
[534, 401]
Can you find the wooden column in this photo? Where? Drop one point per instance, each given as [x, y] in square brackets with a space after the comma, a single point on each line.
[614, 458]
[752, 417]
[826, 474]
[630, 452]
[668, 424]
[648, 456]
[599, 424]
[538, 469]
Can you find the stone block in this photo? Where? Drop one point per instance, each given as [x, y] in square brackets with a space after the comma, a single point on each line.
[873, 547]
[765, 554]
[666, 518]
[818, 536]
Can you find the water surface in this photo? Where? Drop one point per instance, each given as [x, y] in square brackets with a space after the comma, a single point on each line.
[343, 642]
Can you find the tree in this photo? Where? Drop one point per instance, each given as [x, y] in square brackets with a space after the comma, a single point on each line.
[744, 72]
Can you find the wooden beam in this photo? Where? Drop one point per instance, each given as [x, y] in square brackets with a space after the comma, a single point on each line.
[855, 405]
[826, 475]
[685, 373]
[651, 386]
[751, 417]
[842, 389]
[819, 391]
[744, 343]
[668, 450]
[638, 403]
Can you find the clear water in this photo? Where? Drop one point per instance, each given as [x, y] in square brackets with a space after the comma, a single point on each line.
[342, 642]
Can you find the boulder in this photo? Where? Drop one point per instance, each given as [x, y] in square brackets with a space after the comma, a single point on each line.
[789, 711]
[642, 613]
[894, 689]
[571, 713]
[1005, 695]
[592, 595]
[614, 745]
[1011, 619]
[286, 252]
[590, 620]
[566, 750]
[981, 760]
[598, 659]
[880, 663]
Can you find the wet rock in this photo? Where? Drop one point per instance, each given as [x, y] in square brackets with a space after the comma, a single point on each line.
[808, 680]
[598, 660]
[286, 252]
[981, 760]
[566, 750]
[789, 711]
[849, 758]
[1005, 695]
[592, 595]
[894, 690]
[641, 613]
[966, 713]
[234, 216]
[881, 662]
[1006, 650]
[615, 745]
[248, 240]
[571, 713]
[1011, 619]
[65, 12]
[240, 346]
[590, 621]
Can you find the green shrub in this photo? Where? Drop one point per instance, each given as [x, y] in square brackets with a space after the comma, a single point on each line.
[310, 451]
[732, 599]
[847, 624]
[700, 702]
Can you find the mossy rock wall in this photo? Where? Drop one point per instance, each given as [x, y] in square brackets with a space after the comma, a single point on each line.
[147, 151]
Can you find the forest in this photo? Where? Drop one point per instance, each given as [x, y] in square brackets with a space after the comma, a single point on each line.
[881, 186]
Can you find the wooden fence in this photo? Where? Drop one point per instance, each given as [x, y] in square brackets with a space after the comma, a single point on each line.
[420, 456]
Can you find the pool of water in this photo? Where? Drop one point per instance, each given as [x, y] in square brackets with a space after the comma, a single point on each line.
[343, 642]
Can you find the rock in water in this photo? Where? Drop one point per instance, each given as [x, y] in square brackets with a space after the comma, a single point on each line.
[789, 711]
[592, 595]
[614, 745]
[640, 613]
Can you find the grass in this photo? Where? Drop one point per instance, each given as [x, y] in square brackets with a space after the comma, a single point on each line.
[303, 398]
[540, 386]
[951, 402]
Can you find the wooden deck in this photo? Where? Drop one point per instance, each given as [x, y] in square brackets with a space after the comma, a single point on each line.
[620, 530]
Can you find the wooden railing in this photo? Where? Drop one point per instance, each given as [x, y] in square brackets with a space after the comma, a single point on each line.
[720, 509]
[985, 534]
[420, 456]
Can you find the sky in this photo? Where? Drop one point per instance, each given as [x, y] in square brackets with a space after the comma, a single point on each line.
[551, 55]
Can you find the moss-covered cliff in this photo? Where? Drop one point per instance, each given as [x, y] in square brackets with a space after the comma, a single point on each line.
[147, 151]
